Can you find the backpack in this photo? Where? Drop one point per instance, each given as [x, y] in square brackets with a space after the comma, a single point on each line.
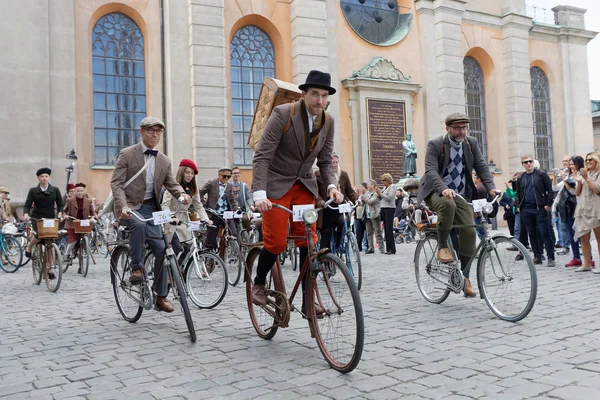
[254, 140]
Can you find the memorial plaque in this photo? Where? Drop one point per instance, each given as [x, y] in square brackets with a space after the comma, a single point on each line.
[386, 121]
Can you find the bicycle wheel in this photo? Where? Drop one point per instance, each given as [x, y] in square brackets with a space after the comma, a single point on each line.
[294, 256]
[84, 256]
[206, 279]
[149, 264]
[12, 254]
[508, 286]
[244, 238]
[125, 294]
[62, 247]
[263, 321]
[100, 240]
[53, 267]
[180, 295]
[428, 272]
[24, 241]
[233, 261]
[37, 253]
[353, 258]
[340, 332]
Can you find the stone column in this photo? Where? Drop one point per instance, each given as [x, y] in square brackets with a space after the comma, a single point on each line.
[517, 87]
[573, 40]
[440, 30]
[314, 45]
[514, 6]
[208, 58]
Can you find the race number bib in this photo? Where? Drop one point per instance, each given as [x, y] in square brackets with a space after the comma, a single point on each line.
[161, 217]
[48, 223]
[194, 226]
[345, 208]
[228, 215]
[298, 211]
[84, 222]
[479, 204]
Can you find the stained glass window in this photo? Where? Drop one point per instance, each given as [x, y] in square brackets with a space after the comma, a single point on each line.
[475, 102]
[542, 126]
[119, 85]
[252, 58]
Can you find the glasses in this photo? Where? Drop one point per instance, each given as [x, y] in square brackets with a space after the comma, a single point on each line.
[459, 128]
[236, 173]
[154, 131]
[527, 161]
[589, 160]
[226, 176]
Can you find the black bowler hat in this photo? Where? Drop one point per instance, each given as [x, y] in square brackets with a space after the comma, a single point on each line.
[44, 170]
[319, 80]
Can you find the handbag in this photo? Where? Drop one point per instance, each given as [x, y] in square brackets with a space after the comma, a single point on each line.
[110, 201]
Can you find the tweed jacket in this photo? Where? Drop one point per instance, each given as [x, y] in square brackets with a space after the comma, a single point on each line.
[211, 189]
[71, 209]
[42, 202]
[280, 159]
[346, 187]
[129, 162]
[436, 162]
[170, 203]
[373, 202]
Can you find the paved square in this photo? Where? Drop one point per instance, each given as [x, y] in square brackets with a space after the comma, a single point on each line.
[74, 344]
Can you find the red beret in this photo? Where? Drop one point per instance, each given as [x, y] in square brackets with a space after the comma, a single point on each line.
[70, 186]
[190, 164]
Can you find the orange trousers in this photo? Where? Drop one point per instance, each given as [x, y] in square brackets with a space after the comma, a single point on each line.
[275, 221]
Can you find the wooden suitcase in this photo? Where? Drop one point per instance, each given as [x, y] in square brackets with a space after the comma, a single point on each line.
[272, 93]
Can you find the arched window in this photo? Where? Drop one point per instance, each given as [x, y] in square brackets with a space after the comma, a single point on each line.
[119, 85]
[475, 102]
[252, 58]
[542, 127]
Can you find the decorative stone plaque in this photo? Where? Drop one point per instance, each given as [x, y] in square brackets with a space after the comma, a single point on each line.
[386, 122]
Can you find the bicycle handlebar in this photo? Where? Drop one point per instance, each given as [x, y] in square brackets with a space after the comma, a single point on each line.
[327, 203]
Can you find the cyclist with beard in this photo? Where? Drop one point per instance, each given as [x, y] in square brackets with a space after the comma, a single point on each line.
[449, 161]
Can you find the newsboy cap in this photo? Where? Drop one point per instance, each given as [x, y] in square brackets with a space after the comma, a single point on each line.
[3, 189]
[456, 117]
[225, 169]
[44, 170]
[151, 121]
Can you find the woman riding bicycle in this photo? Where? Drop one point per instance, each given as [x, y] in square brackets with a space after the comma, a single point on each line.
[78, 207]
[186, 177]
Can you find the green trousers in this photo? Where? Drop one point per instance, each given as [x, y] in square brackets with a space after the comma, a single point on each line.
[454, 212]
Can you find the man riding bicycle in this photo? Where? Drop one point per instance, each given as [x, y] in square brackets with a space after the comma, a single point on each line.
[282, 171]
[449, 161]
[143, 195]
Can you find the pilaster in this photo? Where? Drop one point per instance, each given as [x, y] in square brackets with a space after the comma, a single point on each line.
[208, 60]
[517, 87]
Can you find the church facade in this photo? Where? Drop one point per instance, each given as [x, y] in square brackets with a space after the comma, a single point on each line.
[81, 74]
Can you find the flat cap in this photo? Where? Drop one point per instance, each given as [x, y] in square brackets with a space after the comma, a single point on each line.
[225, 169]
[411, 183]
[44, 170]
[151, 121]
[456, 117]
[3, 189]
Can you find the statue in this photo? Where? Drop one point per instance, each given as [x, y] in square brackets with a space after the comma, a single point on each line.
[410, 156]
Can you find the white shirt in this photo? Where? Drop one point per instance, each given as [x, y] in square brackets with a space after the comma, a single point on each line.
[311, 121]
[151, 160]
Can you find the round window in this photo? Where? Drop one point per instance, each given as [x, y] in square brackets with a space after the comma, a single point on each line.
[380, 22]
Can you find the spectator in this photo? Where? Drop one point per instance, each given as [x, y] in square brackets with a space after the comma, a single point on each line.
[587, 212]
[388, 208]
[7, 209]
[373, 221]
[359, 221]
[481, 194]
[565, 208]
[507, 204]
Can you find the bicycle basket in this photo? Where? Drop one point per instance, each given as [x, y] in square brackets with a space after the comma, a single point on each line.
[49, 231]
[83, 228]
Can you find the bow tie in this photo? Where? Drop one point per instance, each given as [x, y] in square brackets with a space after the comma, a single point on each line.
[151, 152]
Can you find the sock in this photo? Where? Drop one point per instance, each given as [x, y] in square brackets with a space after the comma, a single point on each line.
[266, 259]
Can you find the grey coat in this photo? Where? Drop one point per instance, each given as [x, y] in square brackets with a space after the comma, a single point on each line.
[372, 201]
[280, 161]
[436, 162]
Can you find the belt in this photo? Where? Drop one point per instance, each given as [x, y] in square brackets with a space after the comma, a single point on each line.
[149, 201]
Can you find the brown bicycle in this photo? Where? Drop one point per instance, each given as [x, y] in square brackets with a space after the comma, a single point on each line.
[45, 256]
[339, 331]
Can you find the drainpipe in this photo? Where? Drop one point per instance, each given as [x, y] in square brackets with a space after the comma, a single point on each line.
[162, 74]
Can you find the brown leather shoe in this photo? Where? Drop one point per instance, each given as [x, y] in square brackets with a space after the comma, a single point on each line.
[164, 305]
[444, 255]
[259, 295]
[469, 291]
[137, 276]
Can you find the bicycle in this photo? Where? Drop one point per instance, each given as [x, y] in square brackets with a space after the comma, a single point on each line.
[23, 236]
[499, 275]
[246, 235]
[11, 252]
[347, 251]
[133, 299]
[46, 260]
[229, 250]
[98, 240]
[83, 228]
[339, 332]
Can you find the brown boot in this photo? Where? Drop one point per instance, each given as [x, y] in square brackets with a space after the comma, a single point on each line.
[444, 255]
[469, 292]
[164, 305]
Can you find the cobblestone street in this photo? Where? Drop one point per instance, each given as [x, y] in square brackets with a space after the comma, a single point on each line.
[74, 344]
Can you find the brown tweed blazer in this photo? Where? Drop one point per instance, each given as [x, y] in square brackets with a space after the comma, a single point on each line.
[280, 161]
[211, 191]
[129, 162]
